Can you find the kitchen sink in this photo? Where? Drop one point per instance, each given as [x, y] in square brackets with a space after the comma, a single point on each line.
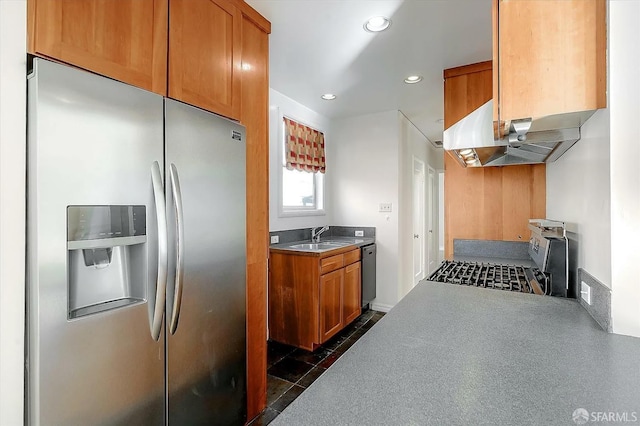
[317, 246]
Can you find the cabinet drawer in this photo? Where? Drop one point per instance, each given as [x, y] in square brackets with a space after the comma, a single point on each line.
[351, 257]
[332, 263]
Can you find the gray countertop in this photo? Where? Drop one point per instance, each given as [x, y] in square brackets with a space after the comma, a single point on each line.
[358, 241]
[457, 355]
[355, 241]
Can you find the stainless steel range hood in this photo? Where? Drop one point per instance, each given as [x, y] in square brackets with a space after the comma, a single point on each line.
[530, 141]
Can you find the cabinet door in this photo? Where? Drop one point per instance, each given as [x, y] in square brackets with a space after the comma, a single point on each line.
[331, 285]
[205, 43]
[552, 57]
[352, 292]
[125, 39]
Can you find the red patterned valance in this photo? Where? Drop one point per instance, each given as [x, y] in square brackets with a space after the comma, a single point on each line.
[304, 147]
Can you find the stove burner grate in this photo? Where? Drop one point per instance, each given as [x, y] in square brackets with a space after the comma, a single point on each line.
[486, 275]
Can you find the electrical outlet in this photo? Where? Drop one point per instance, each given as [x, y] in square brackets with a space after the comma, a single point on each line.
[385, 207]
[359, 233]
[275, 239]
[585, 292]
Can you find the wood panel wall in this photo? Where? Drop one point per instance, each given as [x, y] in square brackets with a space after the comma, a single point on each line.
[489, 203]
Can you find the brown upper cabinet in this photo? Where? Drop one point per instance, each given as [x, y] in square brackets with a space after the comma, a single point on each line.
[549, 58]
[188, 50]
[205, 43]
[125, 39]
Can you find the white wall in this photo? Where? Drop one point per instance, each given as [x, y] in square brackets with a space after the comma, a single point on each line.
[12, 207]
[578, 193]
[280, 105]
[373, 164]
[365, 161]
[595, 186]
[624, 103]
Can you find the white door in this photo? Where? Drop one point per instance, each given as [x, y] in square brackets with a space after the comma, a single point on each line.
[418, 220]
[432, 252]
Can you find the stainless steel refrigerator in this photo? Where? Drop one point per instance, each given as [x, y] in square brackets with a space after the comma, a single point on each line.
[136, 256]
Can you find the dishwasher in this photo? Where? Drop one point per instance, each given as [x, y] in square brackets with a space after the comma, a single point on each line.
[368, 274]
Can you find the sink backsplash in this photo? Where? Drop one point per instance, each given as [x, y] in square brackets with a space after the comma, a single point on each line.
[291, 235]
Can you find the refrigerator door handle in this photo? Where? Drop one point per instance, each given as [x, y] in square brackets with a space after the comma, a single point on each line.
[177, 202]
[161, 219]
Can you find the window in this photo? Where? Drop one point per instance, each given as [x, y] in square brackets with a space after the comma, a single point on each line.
[302, 170]
[301, 191]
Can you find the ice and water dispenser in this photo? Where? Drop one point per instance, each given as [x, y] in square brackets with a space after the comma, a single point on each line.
[107, 258]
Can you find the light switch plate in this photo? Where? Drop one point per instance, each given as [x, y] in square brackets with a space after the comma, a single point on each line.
[359, 233]
[385, 207]
[275, 239]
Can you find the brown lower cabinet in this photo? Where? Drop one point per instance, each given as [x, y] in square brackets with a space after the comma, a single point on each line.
[312, 296]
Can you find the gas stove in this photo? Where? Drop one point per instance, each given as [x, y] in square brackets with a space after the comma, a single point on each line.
[491, 275]
[548, 253]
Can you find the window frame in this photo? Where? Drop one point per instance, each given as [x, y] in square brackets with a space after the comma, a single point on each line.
[319, 181]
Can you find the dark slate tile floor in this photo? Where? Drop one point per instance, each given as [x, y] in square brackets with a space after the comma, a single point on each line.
[291, 370]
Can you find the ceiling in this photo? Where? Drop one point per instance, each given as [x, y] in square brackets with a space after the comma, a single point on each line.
[320, 46]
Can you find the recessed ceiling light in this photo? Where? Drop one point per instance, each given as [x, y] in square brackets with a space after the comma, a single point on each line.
[413, 79]
[328, 96]
[377, 24]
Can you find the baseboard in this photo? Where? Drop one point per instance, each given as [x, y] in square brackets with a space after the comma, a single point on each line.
[381, 307]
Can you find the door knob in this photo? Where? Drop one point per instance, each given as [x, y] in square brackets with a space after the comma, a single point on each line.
[431, 231]
[416, 236]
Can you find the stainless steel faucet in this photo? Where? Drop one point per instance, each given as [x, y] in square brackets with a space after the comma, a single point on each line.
[315, 233]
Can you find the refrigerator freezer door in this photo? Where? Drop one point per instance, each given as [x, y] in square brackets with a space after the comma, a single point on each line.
[91, 142]
[206, 355]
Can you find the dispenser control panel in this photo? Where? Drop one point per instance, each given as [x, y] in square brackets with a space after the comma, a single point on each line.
[98, 222]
